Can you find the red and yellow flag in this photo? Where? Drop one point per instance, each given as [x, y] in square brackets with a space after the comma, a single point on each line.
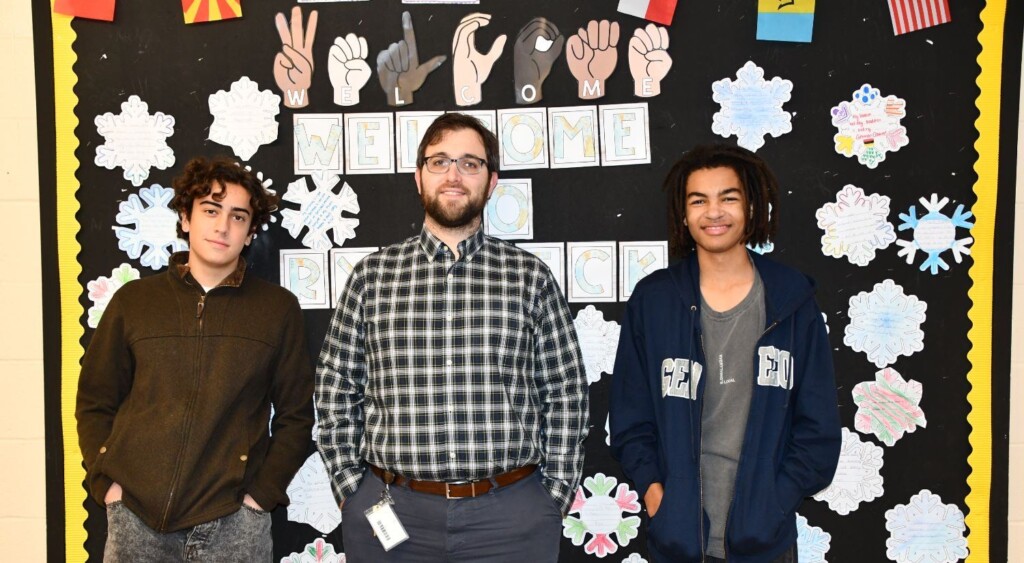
[199, 11]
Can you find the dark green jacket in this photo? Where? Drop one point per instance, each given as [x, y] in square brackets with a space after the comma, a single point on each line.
[175, 394]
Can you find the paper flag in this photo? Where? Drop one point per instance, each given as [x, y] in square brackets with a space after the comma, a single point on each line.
[660, 11]
[89, 9]
[912, 15]
[199, 11]
[785, 20]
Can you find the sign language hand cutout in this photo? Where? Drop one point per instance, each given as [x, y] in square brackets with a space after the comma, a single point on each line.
[592, 56]
[293, 66]
[399, 68]
[537, 47]
[347, 67]
[472, 67]
[649, 60]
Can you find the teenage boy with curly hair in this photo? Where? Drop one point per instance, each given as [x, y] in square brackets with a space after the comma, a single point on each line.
[175, 392]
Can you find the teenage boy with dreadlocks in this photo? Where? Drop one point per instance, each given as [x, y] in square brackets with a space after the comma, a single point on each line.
[723, 403]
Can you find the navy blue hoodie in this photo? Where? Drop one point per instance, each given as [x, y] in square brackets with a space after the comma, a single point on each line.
[792, 440]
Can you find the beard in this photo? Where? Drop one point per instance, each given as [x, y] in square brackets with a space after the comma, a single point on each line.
[454, 216]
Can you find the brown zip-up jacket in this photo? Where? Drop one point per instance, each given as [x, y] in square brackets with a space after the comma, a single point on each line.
[175, 393]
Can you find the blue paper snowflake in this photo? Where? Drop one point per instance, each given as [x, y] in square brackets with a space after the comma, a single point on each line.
[812, 542]
[925, 529]
[935, 233]
[885, 323]
[155, 235]
[751, 107]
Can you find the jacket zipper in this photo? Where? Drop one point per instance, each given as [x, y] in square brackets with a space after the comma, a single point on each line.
[200, 308]
[739, 463]
[700, 472]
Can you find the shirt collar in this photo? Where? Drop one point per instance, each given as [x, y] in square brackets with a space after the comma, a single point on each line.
[432, 246]
[179, 265]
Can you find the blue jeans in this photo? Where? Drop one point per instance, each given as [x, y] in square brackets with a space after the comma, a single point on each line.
[239, 537]
[516, 523]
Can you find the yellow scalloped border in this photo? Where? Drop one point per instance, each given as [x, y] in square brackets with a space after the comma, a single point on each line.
[980, 314]
[64, 80]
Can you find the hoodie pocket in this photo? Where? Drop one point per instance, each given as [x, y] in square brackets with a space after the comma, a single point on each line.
[674, 530]
[757, 522]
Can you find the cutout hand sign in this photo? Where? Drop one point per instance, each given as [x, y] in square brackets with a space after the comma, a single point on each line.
[649, 60]
[293, 66]
[472, 67]
[399, 68]
[347, 67]
[592, 56]
[538, 45]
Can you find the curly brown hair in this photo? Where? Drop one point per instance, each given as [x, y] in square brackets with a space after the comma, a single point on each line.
[199, 177]
[759, 183]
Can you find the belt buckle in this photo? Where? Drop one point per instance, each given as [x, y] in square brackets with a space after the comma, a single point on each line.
[448, 490]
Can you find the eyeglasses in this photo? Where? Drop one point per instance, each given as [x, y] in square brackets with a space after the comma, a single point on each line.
[468, 165]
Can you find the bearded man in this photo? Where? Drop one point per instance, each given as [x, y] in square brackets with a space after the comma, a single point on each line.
[451, 392]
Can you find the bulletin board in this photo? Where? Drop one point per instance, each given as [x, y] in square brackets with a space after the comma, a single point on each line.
[907, 230]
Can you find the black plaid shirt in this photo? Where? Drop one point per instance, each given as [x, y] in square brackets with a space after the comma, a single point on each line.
[446, 370]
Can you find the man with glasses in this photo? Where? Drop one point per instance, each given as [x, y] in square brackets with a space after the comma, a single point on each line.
[450, 389]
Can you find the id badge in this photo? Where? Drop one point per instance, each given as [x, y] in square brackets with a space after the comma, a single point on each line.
[386, 525]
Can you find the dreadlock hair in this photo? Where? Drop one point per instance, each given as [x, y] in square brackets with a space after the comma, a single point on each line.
[759, 184]
[200, 176]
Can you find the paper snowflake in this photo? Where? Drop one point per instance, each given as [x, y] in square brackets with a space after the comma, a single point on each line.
[855, 225]
[601, 515]
[244, 117]
[634, 558]
[321, 210]
[885, 323]
[869, 126]
[888, 407]
[812, 543]
[266, 182]
[925, 529]
[751, 107]
[135, 140]
[312, 501]
[598, 341]
[317, 552]
[155, 227]
[103, 288]
[935, 233]
[858, 478]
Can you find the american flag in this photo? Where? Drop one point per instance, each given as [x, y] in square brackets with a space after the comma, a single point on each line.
[912, 15]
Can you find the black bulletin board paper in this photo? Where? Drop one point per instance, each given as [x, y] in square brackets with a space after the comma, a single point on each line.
[148, 51]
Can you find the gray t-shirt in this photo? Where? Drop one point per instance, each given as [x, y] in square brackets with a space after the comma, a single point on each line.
[729, 341]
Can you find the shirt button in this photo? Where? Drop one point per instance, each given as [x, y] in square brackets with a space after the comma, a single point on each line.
[451, 455]
[451, 318]
[103, 449]
[449, 363]
[243, 457]
[450, 277]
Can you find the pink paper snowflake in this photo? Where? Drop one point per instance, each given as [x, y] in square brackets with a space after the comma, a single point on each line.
[601, 516]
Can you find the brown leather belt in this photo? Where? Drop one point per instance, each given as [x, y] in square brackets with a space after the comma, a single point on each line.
[468, 489]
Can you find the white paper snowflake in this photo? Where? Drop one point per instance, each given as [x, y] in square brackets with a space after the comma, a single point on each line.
[103, 288]
[751, 107]
[634, 558]
[155, 227]
[135, 140]
[321, 210]
[812, 543]
[317, 552]
[858, 477]
[312, 501]
[266, 182]
[855, 225]
[244, 117]
[598, 341]
[889, 406]
[925, 530]
[601, 516]
[885, 323]
[869, 126]
[935, 233]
